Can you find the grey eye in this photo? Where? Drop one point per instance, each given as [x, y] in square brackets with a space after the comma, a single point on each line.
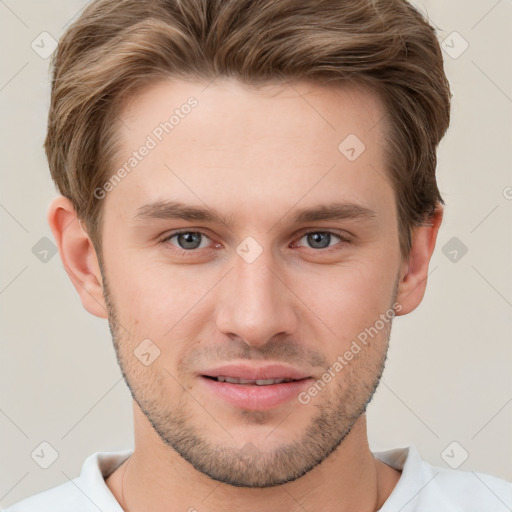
[319, 239]
[188, 239]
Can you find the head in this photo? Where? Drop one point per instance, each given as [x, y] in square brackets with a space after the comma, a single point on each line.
[252, 183]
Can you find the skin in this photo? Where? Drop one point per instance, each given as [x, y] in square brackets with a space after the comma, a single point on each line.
[257, 156]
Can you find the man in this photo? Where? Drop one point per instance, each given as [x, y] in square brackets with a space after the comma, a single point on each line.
[249, 197]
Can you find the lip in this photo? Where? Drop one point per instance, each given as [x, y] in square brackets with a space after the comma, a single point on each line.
[253, 396]
[242, 371]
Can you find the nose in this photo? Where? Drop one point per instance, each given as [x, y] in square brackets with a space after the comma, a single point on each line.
[256, 302]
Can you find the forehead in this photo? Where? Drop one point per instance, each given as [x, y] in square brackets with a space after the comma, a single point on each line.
[268, 108]
[229, 142]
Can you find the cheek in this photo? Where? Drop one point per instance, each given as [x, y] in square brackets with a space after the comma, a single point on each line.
[347, 303]
[163, 304]
[155, 293]
[350, 290]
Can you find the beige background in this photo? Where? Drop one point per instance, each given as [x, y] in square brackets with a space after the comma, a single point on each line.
[448, 376]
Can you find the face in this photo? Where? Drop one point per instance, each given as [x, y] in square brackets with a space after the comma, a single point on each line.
[252, 241]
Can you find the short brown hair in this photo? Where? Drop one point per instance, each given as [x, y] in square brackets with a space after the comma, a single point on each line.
[117, 47]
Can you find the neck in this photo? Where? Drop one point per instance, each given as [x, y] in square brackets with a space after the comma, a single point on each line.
[349, 479]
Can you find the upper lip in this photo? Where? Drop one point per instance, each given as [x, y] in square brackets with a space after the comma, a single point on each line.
[242, 371]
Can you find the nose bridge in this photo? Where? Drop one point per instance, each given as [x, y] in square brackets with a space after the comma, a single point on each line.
[255, 304]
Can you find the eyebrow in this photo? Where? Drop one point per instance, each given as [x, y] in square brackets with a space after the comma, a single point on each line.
[177, 210]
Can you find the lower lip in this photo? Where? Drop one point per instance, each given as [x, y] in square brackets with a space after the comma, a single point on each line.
[254, 397]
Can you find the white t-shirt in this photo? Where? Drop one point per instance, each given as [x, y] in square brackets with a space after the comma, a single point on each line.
[421, 488]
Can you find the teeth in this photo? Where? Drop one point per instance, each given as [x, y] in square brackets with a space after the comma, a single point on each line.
[258, 382]
[266, 382]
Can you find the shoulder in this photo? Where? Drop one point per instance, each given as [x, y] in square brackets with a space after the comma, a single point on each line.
[424, 487]
[86, 493]
[470, 491]
[64, 497]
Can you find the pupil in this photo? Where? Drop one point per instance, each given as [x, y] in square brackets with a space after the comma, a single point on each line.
[315, 239]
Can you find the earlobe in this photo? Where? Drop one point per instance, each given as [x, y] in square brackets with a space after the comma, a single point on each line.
[414, 271]
[78, 255]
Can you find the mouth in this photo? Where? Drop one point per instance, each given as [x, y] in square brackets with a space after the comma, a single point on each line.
[255, 388]
[250, 382]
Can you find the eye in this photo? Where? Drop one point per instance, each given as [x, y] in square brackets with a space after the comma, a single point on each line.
[321, 239]
[187, 240]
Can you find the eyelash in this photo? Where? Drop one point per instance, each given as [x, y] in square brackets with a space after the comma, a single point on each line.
[192, 252]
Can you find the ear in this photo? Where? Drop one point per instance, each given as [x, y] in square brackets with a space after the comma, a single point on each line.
[414, 270]
[78, 255]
